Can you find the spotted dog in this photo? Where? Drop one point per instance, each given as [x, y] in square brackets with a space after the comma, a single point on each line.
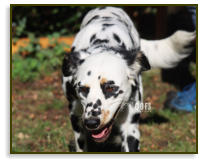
[102, 78]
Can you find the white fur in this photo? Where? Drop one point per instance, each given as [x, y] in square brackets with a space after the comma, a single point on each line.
[168, 52]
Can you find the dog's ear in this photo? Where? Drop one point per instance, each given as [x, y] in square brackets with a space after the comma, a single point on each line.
[140, 63]
[70, 62]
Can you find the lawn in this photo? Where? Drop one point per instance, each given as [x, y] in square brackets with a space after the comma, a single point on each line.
[40, 121]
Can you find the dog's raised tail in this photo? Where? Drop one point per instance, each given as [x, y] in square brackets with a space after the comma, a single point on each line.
[168, 52]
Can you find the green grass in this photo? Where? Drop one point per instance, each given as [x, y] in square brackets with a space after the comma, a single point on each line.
[176, 132]
[40, 121]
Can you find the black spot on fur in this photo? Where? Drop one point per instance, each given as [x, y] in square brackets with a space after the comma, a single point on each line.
[106, 18]
[134, 88]
[135, 118]
[95, 106]
[85, 50]
[142, 59]
[81, 143]
[120, 20]
[133, 94]
[66, 67]
[107, 25]
[139, 96]
[128, 56]
[116, 15]
[133, 144]
[131, 56]
[132, 41]
[98, 102]
[123, 46]
[75, 58]
[81, 61]
[116, 95]
[116, 37]
[99, 77]
[89, 105]
[70, 62]
[93, 18]
[96, 112]
[74, 121]
[92, 38]
[70, 91]
[136, 83]
[89, 73]
[99, 41]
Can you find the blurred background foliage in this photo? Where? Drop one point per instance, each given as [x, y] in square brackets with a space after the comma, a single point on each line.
[44, 20]
[33, 22]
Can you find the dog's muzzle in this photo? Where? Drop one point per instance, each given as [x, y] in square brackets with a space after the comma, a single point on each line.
[100, 134]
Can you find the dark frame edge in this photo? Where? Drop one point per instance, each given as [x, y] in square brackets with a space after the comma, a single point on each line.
[12, 5]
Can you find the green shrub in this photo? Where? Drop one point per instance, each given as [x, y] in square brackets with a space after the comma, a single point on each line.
[38, 61]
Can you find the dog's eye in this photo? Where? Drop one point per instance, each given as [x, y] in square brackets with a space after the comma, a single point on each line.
[109, 88]
[84, 90]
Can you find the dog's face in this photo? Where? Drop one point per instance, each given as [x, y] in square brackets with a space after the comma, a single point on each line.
[103, 84]
[103, 87]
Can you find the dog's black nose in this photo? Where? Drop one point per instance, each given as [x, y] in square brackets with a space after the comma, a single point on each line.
[92, 123]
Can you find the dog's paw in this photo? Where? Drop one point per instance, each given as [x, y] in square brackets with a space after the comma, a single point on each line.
[183, 42]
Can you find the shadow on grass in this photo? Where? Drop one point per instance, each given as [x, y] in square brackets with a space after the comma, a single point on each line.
[154, 118]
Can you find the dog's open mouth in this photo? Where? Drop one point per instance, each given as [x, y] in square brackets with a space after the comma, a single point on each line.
[102, 134]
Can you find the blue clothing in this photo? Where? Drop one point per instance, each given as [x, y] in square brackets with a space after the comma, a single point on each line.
[186, 99]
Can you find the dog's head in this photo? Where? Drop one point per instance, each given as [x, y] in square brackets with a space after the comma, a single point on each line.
[103, 82]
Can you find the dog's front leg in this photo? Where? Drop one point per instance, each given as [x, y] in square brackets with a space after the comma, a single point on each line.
[77, 133]
[79, 143]
[130, 131]
[76, 126]
[130, 139]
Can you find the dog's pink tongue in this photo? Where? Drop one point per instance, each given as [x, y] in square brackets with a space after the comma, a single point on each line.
[101, 134]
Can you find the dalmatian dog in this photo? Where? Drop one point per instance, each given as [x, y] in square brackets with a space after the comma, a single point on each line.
[102, 78]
